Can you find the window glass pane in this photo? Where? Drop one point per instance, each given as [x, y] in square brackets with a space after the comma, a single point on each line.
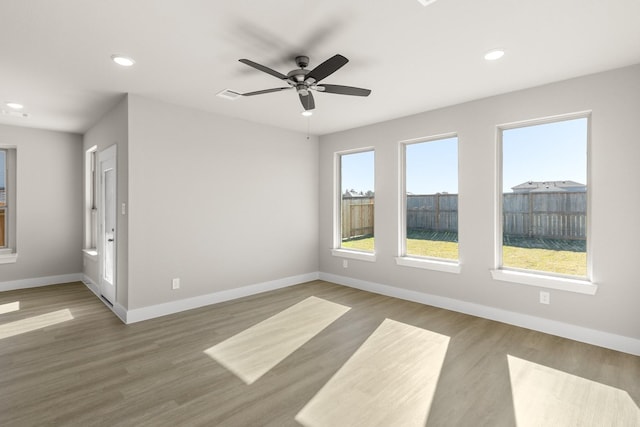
[357, 200]
[431, 182]
[544, 208]
[3, 198]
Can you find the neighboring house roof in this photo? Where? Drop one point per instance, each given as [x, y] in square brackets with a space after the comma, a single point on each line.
[549, 186]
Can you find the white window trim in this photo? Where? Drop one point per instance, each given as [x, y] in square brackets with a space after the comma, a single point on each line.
[427, 263]
[354, 254]
[7, 256]
[437, 264]
[89, 216]
[337, 249]
[541, 280]
[582, 285]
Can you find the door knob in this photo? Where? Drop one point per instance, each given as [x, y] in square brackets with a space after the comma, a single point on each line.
[109, 240]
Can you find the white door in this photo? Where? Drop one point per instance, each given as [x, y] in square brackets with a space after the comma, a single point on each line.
[107, 211]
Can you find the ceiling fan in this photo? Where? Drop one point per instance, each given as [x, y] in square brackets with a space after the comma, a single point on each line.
[304, 81]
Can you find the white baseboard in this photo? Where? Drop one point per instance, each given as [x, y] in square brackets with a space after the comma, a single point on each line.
[565, 330]
[36, 282]
[117, 309]
[150, 312]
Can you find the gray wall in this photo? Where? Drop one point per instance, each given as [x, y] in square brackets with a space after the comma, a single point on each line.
[112, 129]
[49, 203]
[218, 202]
[613, 97]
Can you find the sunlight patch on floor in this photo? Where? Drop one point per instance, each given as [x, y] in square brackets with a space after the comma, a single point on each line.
[9, 307]
[253, 352]
[34, 323]
[389, 381]
[544, 396]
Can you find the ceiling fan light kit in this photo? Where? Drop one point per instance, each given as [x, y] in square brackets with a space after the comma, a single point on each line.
[305, 81]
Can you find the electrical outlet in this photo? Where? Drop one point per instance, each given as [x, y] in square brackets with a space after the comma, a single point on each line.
[175, 284]
[544, 297]
[345, 263]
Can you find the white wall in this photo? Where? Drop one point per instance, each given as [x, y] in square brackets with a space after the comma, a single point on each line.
[218, 202]
[49, 205]
[614, 99]
[112, 129]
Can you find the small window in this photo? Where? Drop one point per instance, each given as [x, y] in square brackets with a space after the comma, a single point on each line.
[3, 199]
[544, 197]
[91, 211]
[7, 203]
[431, 199]
[357, 201]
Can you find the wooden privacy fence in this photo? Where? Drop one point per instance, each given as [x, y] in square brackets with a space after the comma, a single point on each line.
[433, 212]
[357, 216]
[556, 215]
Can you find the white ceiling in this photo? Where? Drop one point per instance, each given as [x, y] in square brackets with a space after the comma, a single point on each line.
[55, 55]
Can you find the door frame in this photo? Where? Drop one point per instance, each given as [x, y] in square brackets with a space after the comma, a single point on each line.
[107, 291]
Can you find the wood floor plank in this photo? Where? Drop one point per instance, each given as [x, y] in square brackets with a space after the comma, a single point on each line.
[93, 370]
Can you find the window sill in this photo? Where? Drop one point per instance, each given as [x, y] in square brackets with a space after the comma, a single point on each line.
[359, 255]
[91, 254]
[8, 257]
[542, 281]
[429, 264]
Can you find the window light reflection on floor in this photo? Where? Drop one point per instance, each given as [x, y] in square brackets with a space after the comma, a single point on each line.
[253, 352]
[389, 381]
[34, 323]
[9, 307]
[546, 396]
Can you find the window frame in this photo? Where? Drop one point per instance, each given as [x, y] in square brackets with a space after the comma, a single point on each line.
[8, 252]
[90, 201]
[416, 261]
[583, 285]
[337, 249]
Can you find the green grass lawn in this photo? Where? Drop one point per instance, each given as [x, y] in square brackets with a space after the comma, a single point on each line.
[554, 261]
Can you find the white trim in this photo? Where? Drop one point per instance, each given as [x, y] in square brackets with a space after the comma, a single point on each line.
[498, 215]
[429, 264]
[337, 189]
[153, 311]
[359, 255]
[117, 309]
[91, 254]
[8, 257]
[565, 330]
[36, 282]
[544, 281]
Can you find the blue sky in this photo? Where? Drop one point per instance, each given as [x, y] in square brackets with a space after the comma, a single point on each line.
[548, 152]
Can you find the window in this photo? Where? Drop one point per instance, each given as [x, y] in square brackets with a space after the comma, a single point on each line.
[3, 199]
[91, 212]
[356, 217]
[430, 193]
[7, 205]
[544, 197]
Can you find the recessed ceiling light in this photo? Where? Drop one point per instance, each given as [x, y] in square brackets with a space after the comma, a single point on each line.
[426, 2]
[307, 113]
[494, 54]
[125, 61]
[14, 105]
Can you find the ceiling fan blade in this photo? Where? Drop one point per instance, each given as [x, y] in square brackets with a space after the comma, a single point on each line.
[263, 69]
[327, 68]
[307, 101]
[260, 92]
[345, 90]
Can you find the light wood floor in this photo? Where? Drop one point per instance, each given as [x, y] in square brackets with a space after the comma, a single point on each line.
[87, 368]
